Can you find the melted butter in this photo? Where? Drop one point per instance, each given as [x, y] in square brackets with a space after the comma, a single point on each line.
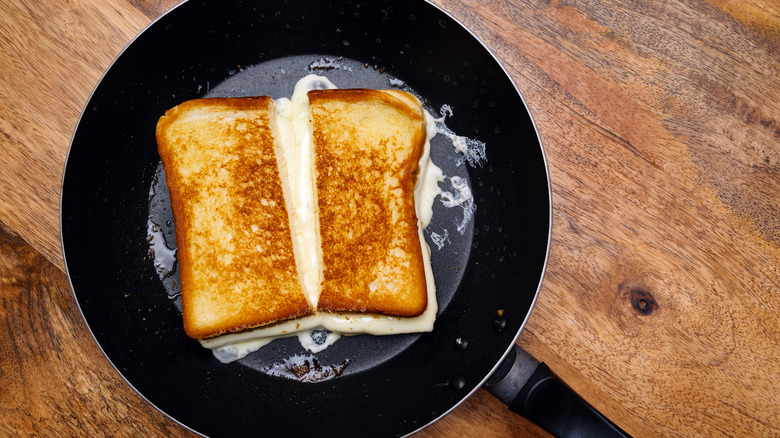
[426, 187]
[472, 149]
[295, 132]
[239, 350]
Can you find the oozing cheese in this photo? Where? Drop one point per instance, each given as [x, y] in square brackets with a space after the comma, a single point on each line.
[293, 118]
[294, 128]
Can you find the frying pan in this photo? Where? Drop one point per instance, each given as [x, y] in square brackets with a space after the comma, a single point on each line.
[487, 274]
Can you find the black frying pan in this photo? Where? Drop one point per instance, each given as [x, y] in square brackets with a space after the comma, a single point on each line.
[487, 278]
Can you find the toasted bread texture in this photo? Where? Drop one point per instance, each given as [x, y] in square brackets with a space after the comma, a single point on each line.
[366, 145]
[236, 255]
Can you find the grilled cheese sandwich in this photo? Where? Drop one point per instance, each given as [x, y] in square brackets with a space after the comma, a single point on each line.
[352, 167]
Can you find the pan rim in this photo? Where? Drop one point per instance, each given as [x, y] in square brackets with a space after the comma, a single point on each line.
[465, 396]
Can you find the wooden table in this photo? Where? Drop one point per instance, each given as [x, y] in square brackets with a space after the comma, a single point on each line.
[661, 123]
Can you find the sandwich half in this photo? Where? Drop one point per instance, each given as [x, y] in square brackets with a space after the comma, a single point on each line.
[366, 145]
[235, 253]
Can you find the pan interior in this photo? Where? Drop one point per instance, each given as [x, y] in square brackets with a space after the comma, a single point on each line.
[277, 78]
[487, 278]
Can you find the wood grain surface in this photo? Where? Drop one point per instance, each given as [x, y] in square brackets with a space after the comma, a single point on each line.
[661, 124]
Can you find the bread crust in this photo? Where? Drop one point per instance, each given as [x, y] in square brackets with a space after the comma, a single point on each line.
[235, 252]
[366, 145]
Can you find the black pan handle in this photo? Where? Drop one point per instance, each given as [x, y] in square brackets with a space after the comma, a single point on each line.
[532, 390]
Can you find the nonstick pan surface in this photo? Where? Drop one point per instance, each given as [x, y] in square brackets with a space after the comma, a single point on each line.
[115, 216]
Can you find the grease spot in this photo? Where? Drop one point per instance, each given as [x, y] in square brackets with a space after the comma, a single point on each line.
[461, 343]
[457, 383]
[499, 324]
[305, 368]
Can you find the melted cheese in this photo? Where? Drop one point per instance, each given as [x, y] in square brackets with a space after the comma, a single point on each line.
[294, 127]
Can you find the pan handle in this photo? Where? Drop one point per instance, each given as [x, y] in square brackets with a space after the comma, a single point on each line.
[532, 390]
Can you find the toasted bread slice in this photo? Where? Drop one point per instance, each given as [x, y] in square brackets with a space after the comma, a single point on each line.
[366, 146]
[236, 254]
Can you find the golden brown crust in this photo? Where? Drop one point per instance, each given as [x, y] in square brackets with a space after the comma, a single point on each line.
[367, 144]
[235, 252]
